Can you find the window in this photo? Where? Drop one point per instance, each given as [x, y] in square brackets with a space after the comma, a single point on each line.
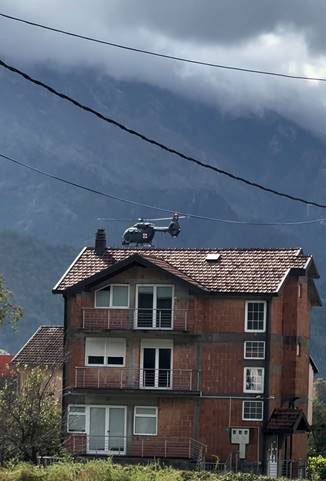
[105, 352]
[76, 419]
[112, 296]
[254, 350]
[145, 420]
[252, 410]
[154, 307]
[253, 379]
[255, 316]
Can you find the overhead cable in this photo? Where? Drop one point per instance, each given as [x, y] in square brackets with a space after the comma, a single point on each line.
[149, 206]
[157, 143]
[162, 55]
[79, 186]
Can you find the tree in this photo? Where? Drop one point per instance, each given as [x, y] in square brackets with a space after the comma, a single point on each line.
[9, 311]
[30, 419]
[318, 434]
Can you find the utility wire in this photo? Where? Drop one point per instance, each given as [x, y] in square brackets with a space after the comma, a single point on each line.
[149, 206]
[161, 55]
[75, 184]
[157, 143]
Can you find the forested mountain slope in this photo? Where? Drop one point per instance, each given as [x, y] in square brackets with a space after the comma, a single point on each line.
[39, 217]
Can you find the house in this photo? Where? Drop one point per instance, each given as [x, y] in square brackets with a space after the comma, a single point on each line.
[186, 353]
[44, 350]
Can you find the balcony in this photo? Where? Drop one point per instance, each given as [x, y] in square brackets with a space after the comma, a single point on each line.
[152, 319]
[139, 446]
[128, 378]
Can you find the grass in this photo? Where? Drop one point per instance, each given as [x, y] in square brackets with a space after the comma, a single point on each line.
[104, 470]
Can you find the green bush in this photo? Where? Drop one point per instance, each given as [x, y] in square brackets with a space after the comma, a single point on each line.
[104, 470]
[316, 468]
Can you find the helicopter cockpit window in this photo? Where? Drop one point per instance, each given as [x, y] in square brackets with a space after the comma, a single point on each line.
[112, 296]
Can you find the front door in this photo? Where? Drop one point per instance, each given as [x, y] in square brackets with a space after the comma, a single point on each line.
[156, 368]
[107, 430]
[272, 456]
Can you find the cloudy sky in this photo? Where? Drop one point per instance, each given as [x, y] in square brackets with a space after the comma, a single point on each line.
[282, 35]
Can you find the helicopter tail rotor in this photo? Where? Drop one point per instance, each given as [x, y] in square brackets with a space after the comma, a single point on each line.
[174, 227]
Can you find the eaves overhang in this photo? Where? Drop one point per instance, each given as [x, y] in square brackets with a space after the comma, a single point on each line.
[136, 259]
[287, 421]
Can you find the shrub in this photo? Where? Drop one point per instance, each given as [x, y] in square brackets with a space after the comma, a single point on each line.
[104, 470]
[316, 468]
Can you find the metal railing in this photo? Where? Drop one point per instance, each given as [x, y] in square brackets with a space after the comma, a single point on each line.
[293, 469]
[131, 378]
[138, 446]
[119, 318]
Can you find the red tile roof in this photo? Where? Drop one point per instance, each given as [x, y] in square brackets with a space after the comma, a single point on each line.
[5, 370]
[236, 271]
[45, 347]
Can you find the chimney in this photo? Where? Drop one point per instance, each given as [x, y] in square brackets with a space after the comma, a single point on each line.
[100, 242]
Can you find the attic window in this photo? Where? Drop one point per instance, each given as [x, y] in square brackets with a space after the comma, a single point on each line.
[113, 296]
[213, 257]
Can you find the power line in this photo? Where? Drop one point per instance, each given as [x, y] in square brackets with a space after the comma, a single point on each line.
[162, 55]
[149, 206]
[79, 186]
[157, 143]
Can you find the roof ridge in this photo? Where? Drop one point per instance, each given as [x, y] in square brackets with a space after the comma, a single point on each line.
[42, 326]
[200, 249]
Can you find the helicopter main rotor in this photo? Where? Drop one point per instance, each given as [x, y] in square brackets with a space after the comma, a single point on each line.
[143, 232]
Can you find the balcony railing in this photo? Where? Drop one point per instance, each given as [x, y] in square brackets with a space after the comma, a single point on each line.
[130, 378]
[139, 446]
[116, 318]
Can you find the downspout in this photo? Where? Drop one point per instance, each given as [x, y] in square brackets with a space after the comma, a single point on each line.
[266, 384]
[64, 369]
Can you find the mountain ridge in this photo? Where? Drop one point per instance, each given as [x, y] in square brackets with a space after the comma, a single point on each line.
[56, 137]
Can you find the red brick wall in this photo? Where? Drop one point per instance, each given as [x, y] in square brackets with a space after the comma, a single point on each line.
[215, 416]
[219, 315]
[221, 362]
[222, 367]
[176, 417]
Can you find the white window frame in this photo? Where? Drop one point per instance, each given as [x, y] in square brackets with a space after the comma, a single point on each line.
[111, 293]
[155, 286]
[252, 419]
[145, 416]
[250, 357]
[81, 414]
[246, 316]
[106, 352]
[245, 376]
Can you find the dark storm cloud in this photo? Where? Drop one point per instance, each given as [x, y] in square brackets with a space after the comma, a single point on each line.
[224, 21]
[200, 21]
[281, 35]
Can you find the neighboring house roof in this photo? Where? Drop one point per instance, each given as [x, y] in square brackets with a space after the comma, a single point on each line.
[313, 365]
[5, 370]
[288, 420]
[45, 347]
[259, 271]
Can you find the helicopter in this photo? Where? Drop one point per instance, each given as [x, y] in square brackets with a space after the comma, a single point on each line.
[143, 232]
